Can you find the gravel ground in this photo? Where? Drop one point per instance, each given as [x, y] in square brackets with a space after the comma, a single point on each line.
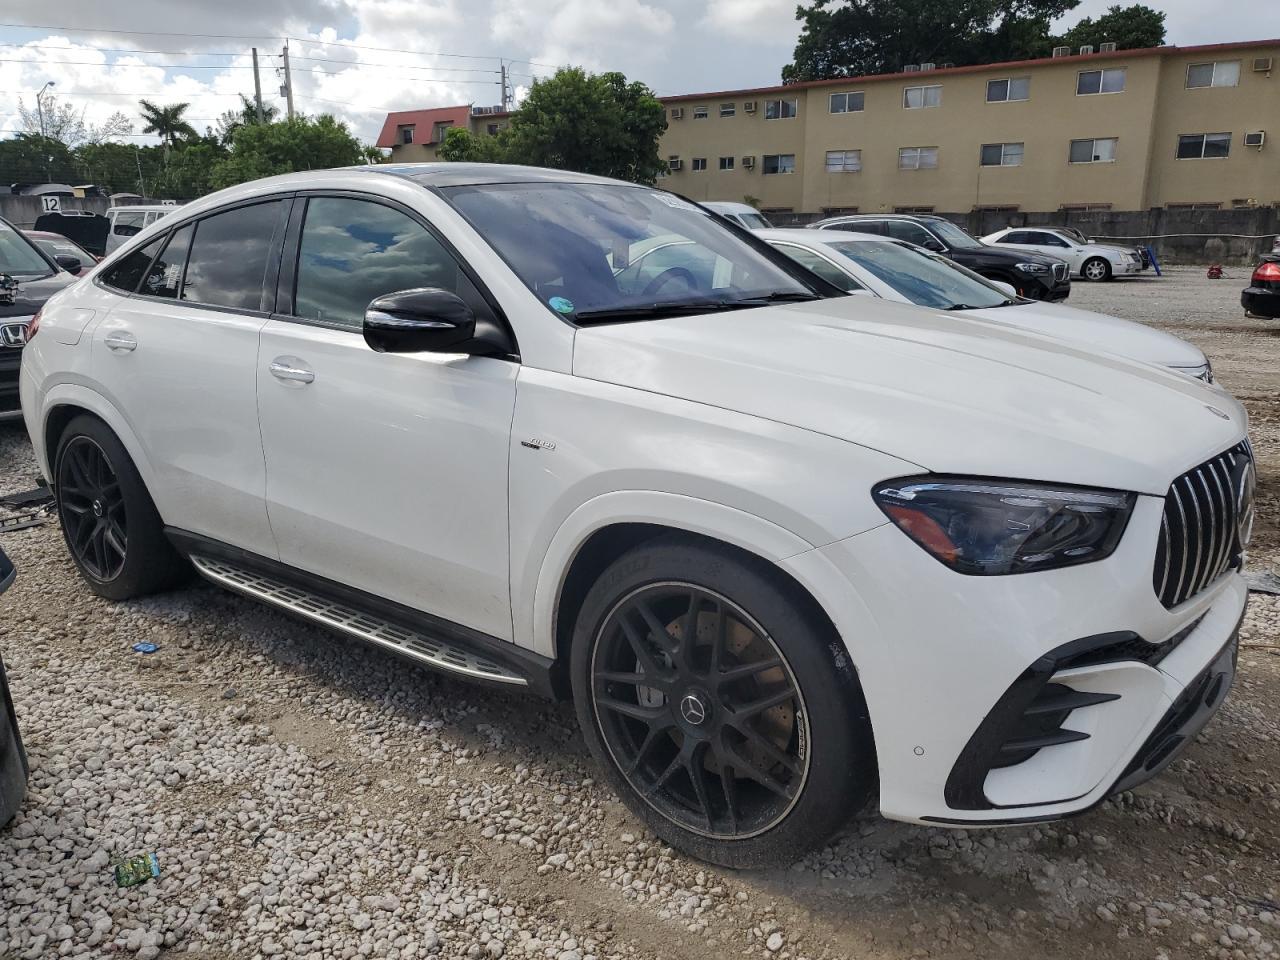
[309, 798]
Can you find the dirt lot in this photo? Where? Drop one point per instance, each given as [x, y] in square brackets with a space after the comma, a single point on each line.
[308, 798]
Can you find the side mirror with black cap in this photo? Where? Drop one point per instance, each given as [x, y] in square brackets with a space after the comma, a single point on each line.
[430, 320]
[68, 263]
[935, 245]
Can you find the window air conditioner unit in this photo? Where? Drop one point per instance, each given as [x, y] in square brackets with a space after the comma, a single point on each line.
[1087, 48]
[1262, 64]
[928, 66]
[1255, 139]
[1108, 47]
[675, 163]
[1062, 51]
[677, 113]
[748, 163]
[911, 68]
[749, 106]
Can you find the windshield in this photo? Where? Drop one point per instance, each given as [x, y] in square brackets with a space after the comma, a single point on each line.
[923, 278]
[62, 247]
[755, 221]
[953, 236]
[1074, 234]
[18, 257]
[598, 252]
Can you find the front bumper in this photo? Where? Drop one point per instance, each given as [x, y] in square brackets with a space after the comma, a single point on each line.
[10, 364]
[938, 654]
[1128, 268]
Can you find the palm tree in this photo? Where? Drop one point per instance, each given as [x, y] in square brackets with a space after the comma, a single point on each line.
[166, 122]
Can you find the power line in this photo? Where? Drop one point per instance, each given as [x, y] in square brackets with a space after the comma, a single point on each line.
[358, 46]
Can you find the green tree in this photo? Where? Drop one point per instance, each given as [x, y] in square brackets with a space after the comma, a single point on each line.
[843, 38]
[263, 150]
[31, 158]
[1130, 28]
[246, 114]
[166, 122]
[120, 167]
[590, 123]
[189, 172]
[460, 145]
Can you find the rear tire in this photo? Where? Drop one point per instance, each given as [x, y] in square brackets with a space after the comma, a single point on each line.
[1096, 269]
[111, 526]
[748, 746]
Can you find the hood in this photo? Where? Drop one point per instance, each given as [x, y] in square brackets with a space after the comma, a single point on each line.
[32, 294]
[1097, 331]
[950, 393]
[1008, 254]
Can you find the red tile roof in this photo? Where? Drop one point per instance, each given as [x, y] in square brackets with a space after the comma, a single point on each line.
[424, 121]
[977, 68]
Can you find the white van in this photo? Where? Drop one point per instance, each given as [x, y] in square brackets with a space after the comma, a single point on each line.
[744, 215]
[125, 222]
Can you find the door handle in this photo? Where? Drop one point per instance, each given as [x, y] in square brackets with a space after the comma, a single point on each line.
[121, 342]
[291, 369]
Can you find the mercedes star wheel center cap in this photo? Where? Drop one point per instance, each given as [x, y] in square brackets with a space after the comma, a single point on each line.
[693, 709]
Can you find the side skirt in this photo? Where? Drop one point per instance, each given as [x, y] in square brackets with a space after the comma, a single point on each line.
[440, 644]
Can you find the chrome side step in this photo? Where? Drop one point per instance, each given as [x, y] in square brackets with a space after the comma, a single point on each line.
[356, 623]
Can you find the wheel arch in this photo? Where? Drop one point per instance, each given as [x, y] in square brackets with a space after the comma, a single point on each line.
[67, 401]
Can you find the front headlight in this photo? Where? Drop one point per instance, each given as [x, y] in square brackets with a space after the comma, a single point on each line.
[1039, 269]
[984, 527]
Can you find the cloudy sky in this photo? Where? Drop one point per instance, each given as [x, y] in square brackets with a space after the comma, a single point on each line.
[358, 59]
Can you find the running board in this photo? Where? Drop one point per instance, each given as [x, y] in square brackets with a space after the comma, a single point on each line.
[353, 622]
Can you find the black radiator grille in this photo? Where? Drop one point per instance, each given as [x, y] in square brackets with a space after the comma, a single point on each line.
[1199, 541]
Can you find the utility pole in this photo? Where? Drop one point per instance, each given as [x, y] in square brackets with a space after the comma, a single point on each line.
[506, 97]
[137, 157]
[257, 85]
[40, 107]
[288, 81]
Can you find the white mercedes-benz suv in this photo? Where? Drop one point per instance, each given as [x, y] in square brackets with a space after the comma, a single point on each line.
[787, 551]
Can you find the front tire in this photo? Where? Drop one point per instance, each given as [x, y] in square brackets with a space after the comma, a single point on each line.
[1096, 269]
[110, 524]
[723, 709]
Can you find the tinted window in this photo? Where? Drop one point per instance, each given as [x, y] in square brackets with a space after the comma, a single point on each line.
[228, 260]
[819, 265]
[165, 275]
[354, 251]
[923, 278]
[127, 272]
[911, 232]
[859, 226]
[128, 223]
[18, 255]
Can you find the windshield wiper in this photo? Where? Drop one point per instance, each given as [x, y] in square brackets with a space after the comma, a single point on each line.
[781, 296]
[654, 311]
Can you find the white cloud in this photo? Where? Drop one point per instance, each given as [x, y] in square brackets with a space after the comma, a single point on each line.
[754, 21]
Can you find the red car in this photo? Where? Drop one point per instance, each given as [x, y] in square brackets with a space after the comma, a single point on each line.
[1262, 297]
[63, 251]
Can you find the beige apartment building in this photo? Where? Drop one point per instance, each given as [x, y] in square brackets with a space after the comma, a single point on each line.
[1127, 130]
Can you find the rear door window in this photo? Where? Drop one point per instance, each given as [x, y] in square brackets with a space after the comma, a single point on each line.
[127, 274]
[229, 257]
[821, 266]
[164, 278]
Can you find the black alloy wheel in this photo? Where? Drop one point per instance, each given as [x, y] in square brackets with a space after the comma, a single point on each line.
[92, 506]
[700, 711]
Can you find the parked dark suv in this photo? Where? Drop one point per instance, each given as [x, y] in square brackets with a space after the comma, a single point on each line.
[28, 277]
[1033, 275]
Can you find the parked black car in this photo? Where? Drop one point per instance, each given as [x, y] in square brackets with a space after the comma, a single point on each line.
[13, 758]
[28, 277]
[1262, 297]
[1033, 275]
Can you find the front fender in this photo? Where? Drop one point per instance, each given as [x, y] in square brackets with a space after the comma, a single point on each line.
[536, 616]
